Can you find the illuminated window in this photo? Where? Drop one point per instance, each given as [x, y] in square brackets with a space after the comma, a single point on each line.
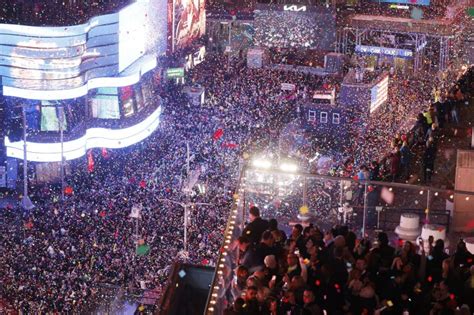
[311, 115]
[336, 119]
[323, 117]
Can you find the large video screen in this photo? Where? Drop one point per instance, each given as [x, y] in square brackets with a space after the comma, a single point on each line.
[50, 119]
[379, 94]
[413, 2]
[295, 26]
[132, 38]
[189, 21]
[105, 104]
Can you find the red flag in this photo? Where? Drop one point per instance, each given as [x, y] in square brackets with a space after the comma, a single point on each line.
[229, 145]
[68, 190]
[90, 161]
[105, 154]
[218, 134]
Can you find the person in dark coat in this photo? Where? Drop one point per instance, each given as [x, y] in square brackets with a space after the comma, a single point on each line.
[256, 227]
[429, 157]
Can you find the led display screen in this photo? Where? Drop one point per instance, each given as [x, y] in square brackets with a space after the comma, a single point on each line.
[133, 21]
[379, 94]
[50, 120]
[295, 26]
[188, 22]
[415, 2]
[105, 104]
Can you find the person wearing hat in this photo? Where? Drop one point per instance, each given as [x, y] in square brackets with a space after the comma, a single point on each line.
[256, 227]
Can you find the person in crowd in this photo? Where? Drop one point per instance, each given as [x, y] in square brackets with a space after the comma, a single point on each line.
[428, 160]
[405, 158]
[256, 227]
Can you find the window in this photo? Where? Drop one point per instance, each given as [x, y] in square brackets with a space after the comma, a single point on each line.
[323, 117]
[336, 118]
[311, 115]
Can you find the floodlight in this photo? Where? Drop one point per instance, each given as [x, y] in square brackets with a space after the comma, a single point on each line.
[262, 163]
[288, 167]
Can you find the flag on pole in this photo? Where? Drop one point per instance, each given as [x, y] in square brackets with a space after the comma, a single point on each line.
[105, 154]
[229, 145]
[218, 134]
[90, 161]
[136, 211]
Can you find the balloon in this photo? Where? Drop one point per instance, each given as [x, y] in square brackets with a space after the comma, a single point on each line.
[304, 209]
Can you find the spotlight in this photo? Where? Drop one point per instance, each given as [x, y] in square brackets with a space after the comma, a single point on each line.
[288, 167]
[262, 163]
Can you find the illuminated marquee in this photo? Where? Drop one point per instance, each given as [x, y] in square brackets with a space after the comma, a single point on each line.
[294, 8]
[395, 52]
[93, 138]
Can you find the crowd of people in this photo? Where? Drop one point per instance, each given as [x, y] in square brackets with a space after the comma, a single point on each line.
[60, 255]
[300, 30]
[400, 141]
[313, 271]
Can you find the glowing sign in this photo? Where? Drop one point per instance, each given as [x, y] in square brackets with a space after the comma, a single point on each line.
[294, 8]
[395, 52]
[378, 94]
[94, 138]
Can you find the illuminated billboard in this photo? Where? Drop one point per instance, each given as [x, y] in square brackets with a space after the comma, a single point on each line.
[52, 63]
[93, 138]
[379, 94]
[187, 19]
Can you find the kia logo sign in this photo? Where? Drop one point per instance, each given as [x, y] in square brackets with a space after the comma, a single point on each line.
[294, 8]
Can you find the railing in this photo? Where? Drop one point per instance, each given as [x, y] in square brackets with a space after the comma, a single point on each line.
[217, 300]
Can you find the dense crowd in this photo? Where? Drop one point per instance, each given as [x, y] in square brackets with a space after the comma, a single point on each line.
[400, 140]
[314, 272]
[58, 257]
[301, 30]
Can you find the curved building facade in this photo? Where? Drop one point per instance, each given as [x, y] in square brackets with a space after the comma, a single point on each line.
[94, 82]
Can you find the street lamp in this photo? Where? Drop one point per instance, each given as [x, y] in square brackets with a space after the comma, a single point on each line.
[185, 207]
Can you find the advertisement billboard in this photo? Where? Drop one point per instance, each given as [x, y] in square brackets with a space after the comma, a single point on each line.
[295, 26]
[52, 63]
[174, 73]
[187, 19]
[379, 94]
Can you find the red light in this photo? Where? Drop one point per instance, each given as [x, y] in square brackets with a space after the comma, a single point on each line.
[469, 260]
[336, 286]
[318, 283]
[452, 296]
[430, 278]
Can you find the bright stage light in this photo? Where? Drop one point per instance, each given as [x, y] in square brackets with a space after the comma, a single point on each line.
[288, 167]
[262, 163]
